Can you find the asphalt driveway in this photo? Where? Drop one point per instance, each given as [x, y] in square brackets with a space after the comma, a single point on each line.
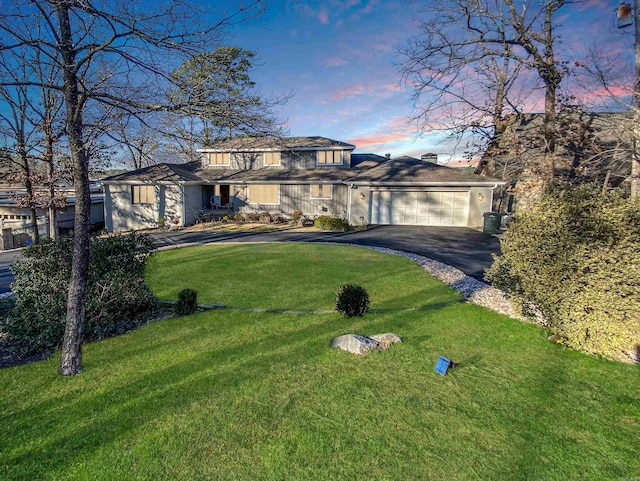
[467, 249]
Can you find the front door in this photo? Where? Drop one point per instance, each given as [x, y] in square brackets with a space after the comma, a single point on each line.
[224, 195]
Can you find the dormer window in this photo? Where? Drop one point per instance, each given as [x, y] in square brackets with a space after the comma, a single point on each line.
[271, 158]
[219, 158]
[332, 157]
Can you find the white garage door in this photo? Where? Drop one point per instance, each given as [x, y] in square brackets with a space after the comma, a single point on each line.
[420, 208]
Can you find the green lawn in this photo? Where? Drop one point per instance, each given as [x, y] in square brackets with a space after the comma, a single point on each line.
[229, 394]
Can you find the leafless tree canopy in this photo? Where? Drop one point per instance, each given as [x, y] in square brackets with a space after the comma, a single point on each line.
[109, 57]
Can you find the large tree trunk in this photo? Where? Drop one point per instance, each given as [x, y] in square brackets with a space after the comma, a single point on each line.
[635, 160]
[71, 358]
[551, 77]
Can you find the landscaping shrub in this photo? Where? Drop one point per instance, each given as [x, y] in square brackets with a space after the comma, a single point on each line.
[253, 216]
[335, 224]
[296, 215]
[238, 217]
[187, 302]
[576, 259]
[117, 298]
[265, 217]
[352, 300]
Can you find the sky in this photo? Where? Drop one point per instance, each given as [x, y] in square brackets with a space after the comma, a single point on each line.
[339, 60]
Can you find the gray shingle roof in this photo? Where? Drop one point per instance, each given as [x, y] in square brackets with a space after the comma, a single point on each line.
[160, 173]
[409, 169]
[368, 169]
[285, 143]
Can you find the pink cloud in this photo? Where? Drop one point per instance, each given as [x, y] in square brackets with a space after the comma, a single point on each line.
[335, 62]
[582, 6]
[375, 139]
[349, 91]
[396, 130]
[323, 16]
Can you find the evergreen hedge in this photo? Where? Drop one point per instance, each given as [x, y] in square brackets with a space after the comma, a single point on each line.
[575, 258]
[117, 297]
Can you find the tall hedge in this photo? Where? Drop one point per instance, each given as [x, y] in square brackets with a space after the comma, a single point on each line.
[117, 298]
[576, 259]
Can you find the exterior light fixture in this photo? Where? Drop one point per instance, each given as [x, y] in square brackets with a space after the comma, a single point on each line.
[362, 196]
[623, 15]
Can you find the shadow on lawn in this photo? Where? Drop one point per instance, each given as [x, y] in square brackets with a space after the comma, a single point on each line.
[113, 410]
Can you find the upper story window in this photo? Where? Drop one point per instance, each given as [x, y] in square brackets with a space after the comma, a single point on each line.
[332, 157]
[321, 191]
[271, 158]
[218, 158]
[143, 194]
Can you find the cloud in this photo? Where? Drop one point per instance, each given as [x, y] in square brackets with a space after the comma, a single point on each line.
[323, 16]
[392, 131]
[334, 62]
[349, 91]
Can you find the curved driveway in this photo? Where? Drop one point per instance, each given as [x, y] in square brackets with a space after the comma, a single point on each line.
[467, 249]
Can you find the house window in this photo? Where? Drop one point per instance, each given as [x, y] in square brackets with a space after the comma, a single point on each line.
[321, 191]
[264, 194]
[143, 194]
[218, 158]
[329, 157]
[271, 158]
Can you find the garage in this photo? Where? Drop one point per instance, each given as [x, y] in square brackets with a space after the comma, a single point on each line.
[443, 208]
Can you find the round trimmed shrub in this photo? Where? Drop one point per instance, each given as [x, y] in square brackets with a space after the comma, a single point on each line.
[187, 302]
[352, 300]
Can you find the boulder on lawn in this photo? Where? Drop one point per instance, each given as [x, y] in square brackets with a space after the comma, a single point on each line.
[386, 339]
[354, 344]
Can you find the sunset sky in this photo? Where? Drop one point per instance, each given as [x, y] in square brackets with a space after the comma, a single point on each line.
[339, 59]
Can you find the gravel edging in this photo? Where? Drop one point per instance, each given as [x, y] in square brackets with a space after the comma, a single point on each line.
[473, 290]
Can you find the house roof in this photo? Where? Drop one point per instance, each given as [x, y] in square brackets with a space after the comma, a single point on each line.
[411, 170]
[593, 134]
[243, 144]
[369, 169]
[366, 161]
[160, 173]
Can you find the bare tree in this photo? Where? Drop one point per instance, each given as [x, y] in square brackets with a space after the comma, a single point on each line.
[461, 82]
[94, 44]
[471, 50]
[611, 74]
[16, 128]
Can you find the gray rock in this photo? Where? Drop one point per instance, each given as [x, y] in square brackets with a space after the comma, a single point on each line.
[386, 339]
[354, 344]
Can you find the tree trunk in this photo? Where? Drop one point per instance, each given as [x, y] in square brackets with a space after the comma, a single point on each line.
[30, 199]
[48, 158]
[552, 78]
[635, 160]
[71, 358]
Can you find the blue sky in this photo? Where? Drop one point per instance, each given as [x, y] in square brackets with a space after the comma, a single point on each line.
[339, 59]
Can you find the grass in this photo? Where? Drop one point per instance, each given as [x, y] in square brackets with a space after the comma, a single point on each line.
[241, 395]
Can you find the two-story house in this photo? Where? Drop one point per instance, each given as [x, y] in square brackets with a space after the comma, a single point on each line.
[316, 175]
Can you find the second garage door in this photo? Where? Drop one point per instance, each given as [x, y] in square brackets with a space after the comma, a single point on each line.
[420, 208]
